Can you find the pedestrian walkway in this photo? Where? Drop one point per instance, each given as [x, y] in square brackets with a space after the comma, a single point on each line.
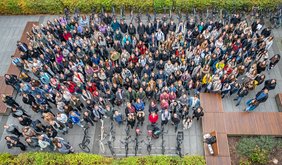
[234, 123]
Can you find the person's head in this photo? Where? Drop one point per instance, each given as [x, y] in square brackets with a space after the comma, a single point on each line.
[273, 81]
[266, 90]
[116, 112]
[20, 118]
[8, 138]
[199, 109]
[6, 126]
[28, 139]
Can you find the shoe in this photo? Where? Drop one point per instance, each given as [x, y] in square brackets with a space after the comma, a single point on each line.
[237, 105]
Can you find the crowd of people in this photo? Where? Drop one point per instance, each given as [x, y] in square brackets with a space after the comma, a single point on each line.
[79, 71]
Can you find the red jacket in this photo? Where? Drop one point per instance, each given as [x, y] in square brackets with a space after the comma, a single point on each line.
[67, 36]
[71, 87]
[164, 96]
[143, 50]
[133, 59]
[153, 119]
[91, 88]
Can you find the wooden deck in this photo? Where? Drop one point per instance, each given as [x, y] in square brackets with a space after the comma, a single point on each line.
[234, 123]
[5, 89]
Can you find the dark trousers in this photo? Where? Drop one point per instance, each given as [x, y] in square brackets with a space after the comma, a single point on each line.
[21, 145]
[16, 132]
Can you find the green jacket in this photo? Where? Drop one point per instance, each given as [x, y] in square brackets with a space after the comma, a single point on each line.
[141, 95]
[134, 95]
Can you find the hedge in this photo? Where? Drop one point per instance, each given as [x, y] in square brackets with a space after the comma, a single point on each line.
[57, 6]
[45, 158]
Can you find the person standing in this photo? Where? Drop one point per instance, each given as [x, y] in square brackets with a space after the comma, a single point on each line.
[118, 117]
[9, 101]
[273, 61]
[62, 146]
[166, 116]
[13, 129]
[153, 117]
[194, 102]
[243, 91]
[251, 105]
[28, 99]
[262, 96]
[198, 113]
[270, 84]
[131, 120]
[140, 117]
[11, 79]
[13, 141]
[187, 122]
[175, 120]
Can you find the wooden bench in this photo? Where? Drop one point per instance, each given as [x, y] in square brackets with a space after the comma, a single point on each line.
[278, 99]
[214, 145]
[6, 89]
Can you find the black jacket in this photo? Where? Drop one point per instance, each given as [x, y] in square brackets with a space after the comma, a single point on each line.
[141, 29]
[268, 85]
[242, 93]
[131, 30]
[123, 28]
[26, 121]
[29, 99]
[107, 20]
[12, 81]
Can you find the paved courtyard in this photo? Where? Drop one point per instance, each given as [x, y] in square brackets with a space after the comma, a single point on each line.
[11, 28]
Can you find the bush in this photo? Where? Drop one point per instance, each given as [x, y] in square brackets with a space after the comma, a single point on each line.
[257, 149]
[57, 6]
[45, 158]
[259, 156]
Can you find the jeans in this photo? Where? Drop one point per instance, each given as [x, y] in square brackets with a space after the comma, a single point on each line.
[239, 99]
[79, 124]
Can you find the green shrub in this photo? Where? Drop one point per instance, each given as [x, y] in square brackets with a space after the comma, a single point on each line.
[245, 162]
[57, 6]
[45, 158]
[259, 156]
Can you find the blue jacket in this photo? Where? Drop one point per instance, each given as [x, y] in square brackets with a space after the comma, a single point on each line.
[75, 118]
[196, 102]
[139, 106]
[45, 78]
[115, 26]
[118, 118]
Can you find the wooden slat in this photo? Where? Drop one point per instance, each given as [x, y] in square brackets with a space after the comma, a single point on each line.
[218, 160]
[241, 123]
[213, 121]
[272, 121]
[211, 103]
